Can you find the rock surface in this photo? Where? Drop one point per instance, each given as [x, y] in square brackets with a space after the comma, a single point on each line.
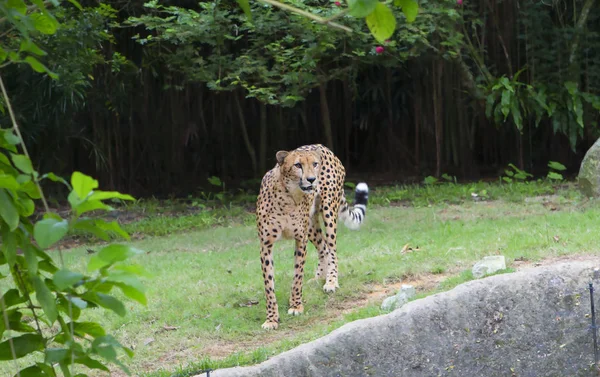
[529, 323]
[405, 293]
[489, 265]
[589, 172]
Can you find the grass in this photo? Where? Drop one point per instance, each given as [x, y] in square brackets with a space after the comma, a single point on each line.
[206, 300]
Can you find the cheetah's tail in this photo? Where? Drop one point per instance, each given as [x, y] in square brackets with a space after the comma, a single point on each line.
[353, 217]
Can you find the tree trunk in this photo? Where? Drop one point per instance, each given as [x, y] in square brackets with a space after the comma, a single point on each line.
[245, 136]
[437, 114]
[325, 115]
[262, 147]
[573, 63]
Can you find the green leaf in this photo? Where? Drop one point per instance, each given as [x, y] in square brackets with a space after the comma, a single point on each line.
[106, 301]
[129, 285]
[91, 205]
[32, 371]
[555, 176]
[31, 259]
[103, 195]
[48, 231]
[77, 5]
[215, 181]
[8, 211]
[90, 328]
[505, 102]
[17, 6]
[36, 65]
[53, 177]
[112, 227]
[23, 163]
[91, 363]
[65, 279]
[23, 346]
[45, 298]
[31, 189]
[44, 23]
[11, 138]
[27, 45]
[111, 254]
[361, 8]
[133, 269]
[9, 246]
[556, 166]
[83, 184]
[55, 355]
[246, 8]
[381, 22]
[410, 8]
[12, 298]
[90, 226]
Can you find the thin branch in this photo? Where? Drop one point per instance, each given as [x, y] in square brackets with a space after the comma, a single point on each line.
[18, 132]
[10, 340]
[314, 17]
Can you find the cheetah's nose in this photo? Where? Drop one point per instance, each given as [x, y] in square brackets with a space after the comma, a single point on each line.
[311, 179]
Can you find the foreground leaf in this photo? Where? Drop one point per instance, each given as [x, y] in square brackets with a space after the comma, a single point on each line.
[8, 211]
[23, 345]
[361, 8]
[111, 254]
[83, 184]
[45, 298]
[65, 279]
[381, 22]
[32, 371]
[106, 301]
[410, 8]
[49, 231]
[246, 8]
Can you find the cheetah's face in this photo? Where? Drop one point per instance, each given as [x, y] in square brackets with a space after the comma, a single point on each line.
[300, 169]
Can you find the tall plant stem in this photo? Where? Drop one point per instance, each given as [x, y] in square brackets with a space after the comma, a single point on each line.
[18, 132]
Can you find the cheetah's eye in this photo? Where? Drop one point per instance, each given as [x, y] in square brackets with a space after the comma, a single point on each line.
[315, 164]
[298, 165]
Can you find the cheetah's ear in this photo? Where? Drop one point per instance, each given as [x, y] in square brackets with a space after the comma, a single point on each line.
[281, 155]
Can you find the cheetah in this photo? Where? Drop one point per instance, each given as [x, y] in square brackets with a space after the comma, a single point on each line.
[305, 184]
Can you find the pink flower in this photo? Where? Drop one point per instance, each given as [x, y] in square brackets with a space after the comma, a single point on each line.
[459, 2]
[379, 49]
[338, 4]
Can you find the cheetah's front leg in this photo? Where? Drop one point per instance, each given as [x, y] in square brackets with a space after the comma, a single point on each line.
[331, 282]
[266, 258]
[296, 307]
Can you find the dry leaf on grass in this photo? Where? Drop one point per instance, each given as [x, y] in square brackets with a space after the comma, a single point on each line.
[408, 249]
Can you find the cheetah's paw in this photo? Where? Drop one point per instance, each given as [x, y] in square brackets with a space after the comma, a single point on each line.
[297, 310]
[330, 287]
[270, 325]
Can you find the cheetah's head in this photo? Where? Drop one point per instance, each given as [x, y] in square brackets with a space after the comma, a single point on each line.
[299, 170]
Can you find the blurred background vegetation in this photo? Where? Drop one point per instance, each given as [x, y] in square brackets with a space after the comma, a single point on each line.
[155, 97]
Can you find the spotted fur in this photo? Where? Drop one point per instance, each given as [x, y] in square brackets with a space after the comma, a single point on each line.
[305, 185]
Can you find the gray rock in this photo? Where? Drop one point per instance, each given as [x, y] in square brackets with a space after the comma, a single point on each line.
[589, 172]
[402, 297]
[489, 265]
[529, 323]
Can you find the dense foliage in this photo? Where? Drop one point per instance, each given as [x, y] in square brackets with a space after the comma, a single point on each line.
[41, 301]
[157, 97]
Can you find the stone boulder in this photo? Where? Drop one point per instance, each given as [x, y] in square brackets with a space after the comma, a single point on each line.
[404, 295]
[589, 172]
[533, 322]
[489, 265]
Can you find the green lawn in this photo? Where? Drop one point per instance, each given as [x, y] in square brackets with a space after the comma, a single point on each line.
[206, 301]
